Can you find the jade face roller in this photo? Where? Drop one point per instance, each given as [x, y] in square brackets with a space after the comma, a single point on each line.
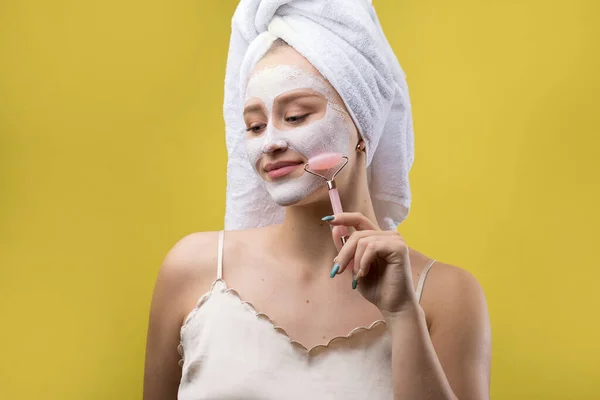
[324, 162]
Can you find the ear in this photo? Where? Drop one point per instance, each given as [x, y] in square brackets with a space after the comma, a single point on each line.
[360, 146]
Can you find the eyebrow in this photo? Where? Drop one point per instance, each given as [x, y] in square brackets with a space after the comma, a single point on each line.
[289, 97]
[284, 98]
[253, 108]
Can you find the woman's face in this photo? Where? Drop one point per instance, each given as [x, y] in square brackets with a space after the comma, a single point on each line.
[292, 114]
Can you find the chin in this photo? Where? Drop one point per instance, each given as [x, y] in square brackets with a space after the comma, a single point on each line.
[287, 201]
[298, 191]
[318, 196]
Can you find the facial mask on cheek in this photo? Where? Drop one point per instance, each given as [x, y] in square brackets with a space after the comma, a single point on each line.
[329, 134]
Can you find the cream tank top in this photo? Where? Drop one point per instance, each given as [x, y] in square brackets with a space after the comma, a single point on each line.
[230, 350]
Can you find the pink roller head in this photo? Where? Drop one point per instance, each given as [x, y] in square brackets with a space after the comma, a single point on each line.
[325, 161]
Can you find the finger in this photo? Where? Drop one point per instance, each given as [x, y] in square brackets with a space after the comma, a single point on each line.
[337, 237]
[363, 244]
[356, 220]
[373, 250]
[348, 251]
[346, 254]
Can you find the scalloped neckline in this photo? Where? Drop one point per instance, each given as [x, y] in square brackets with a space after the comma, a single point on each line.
[278, 329]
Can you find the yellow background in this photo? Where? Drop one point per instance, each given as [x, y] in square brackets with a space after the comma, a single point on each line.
[112, 148]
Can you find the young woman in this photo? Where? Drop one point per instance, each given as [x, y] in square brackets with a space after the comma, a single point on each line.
[275, 307]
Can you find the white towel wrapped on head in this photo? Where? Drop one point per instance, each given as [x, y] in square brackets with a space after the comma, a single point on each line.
[344, 41]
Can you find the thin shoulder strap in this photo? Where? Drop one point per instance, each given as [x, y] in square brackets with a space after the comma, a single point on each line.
[422, 280]
[220, 256]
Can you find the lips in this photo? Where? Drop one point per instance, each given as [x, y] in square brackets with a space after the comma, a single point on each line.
[281, 168]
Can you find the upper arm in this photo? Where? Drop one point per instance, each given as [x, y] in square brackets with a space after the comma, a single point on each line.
[460, 331]
[185, 274]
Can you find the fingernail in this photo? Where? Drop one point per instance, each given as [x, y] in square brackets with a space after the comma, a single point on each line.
[328, 218]
[359, 274]
[334, 270]
[355, 283]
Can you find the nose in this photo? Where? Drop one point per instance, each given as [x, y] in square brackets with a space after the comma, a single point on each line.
[271, 146]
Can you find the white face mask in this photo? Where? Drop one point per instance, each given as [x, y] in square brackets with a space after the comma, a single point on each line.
[328, 134]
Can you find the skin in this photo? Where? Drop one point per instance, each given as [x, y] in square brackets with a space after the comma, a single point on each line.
[441, 346]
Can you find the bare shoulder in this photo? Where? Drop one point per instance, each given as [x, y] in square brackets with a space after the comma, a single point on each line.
[451, 280]
[188, 269]
[459, 326]
[451, 291]
[193, 256]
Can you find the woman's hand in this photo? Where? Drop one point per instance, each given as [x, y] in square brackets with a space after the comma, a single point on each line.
[379, 262]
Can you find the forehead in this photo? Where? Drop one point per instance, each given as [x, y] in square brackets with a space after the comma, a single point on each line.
[284, 69]
[286, 55]
[269, 83]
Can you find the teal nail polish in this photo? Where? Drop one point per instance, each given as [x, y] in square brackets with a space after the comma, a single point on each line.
[328, 218]
[334, 270]
[354, 283]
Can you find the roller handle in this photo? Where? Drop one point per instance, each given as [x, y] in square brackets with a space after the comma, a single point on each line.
[336, 204]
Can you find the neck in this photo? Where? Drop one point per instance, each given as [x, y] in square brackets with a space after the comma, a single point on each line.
[307, 239]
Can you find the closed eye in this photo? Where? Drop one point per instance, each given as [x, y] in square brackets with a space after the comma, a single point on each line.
[256, 128]
[295, 119]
